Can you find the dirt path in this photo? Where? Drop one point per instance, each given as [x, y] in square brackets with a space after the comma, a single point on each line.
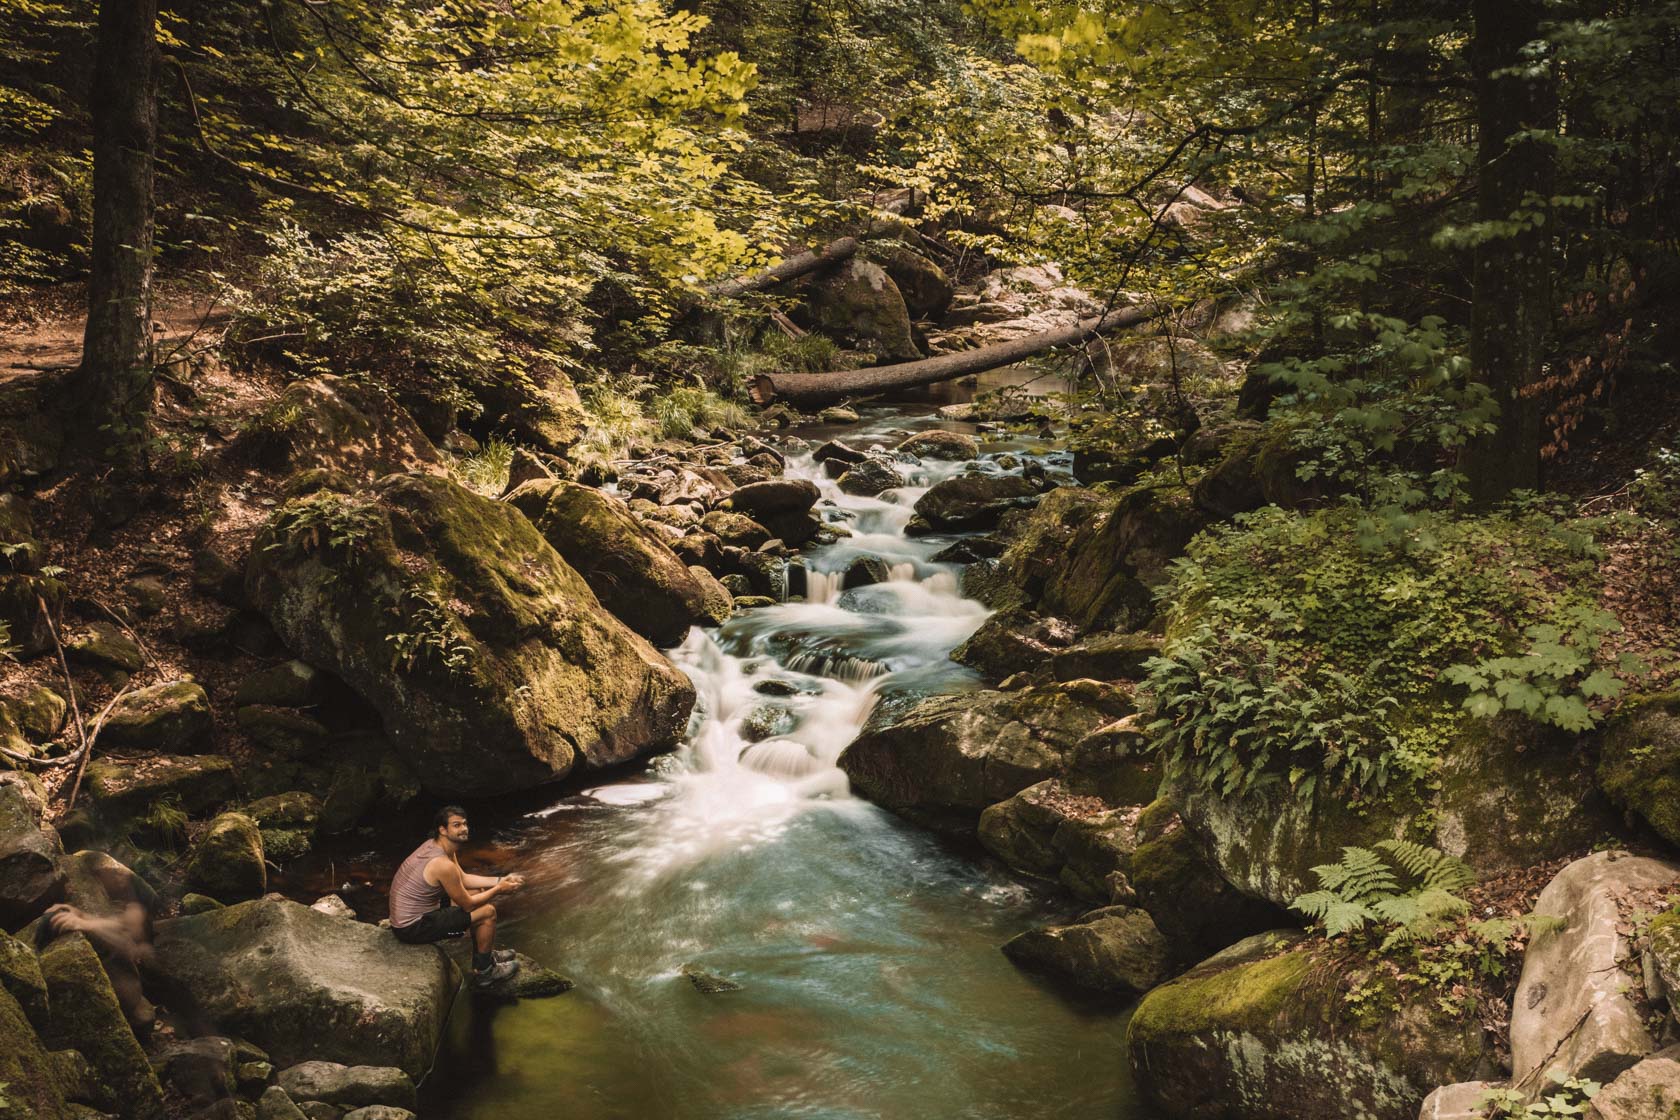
[50, 339]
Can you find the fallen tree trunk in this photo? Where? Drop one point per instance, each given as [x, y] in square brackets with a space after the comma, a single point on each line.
[789, 269]
[806, 389]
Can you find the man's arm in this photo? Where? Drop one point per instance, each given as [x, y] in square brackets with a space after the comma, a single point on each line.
[454, 883]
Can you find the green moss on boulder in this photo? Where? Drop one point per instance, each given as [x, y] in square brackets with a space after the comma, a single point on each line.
[171, 718]
[28, 1076]
[85, 1016]
[227, 862]
[1261, 1030]
[338, 425]
[1116, 949]
[20, 974]
[1639, 764]
[493, 664]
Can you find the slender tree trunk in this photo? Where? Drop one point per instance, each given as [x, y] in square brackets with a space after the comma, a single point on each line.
[113, 387]
[1512, 274]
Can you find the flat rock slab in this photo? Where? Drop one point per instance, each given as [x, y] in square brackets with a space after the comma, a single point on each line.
[348, 1086]
[1576, 1013]
[304, 985]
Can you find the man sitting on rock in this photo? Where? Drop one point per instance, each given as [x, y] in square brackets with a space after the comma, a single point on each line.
[432, 898]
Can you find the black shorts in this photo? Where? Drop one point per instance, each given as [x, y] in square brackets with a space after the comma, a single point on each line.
[445, 921]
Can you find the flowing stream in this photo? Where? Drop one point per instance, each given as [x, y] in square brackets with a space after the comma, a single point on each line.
[866, 950]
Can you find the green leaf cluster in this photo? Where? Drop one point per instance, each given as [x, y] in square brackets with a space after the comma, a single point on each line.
[1411, 893]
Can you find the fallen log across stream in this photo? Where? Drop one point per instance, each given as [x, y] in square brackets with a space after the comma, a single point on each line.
[803, 390]
[790, 269]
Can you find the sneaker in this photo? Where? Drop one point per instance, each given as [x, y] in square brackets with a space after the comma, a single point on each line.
[502, 956]
[495, 974]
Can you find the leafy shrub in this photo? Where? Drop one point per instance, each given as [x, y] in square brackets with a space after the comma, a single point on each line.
[1314, 648]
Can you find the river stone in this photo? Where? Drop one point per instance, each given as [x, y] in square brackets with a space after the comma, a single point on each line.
[80, 1084]
[347, 1086]
[1649, 1090]
[124, 792]
[1038, 543]
[1192, 904]
[1049, 830]
[1106, 573]
[171, 718]
[535, 402]
[85, 1016]
[514, 674]
[1639, 763]
[1012, 641]
[780, 495]
[28, 1072]
[105, 646]
[937, 443]
[1106, 657]
[288, 822]
[227, 862]
[838, 414]
[838, 452]
[1511, 793]
[532, 981]
[378, 1112]
[352, 427]
[1575, 1012]
[31, 854]
[306, 986]
[947, 758]
[869, 478]
[735, 529]
[199, 1069]
[20, 974]
[708, 983]
[1115, 949]
[632, 571]
[976, 501]
[274, 1104]
[1259, 1030]
[37, 710]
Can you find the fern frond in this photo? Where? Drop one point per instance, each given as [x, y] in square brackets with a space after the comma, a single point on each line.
[1431, 867]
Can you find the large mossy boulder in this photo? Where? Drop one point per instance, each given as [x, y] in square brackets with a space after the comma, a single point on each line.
[926, 289]
[631, 570]
[31, 854]
[1639, 764]
[124, 796]
[227, 862]
[85, 1016]
[538, 405]
[172, 718]
[947, 758]
[288, 822]
[27, 1070]
[1112, 561]
[856, 301]
[1192, 904]
[306, 986]
[1261, 1031]
[493, 664]
[1510, 794]
[976, 501]
[20, 974]
[20, 611]
[336, 424]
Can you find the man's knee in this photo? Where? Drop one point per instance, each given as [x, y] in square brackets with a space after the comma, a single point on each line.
[485, 913]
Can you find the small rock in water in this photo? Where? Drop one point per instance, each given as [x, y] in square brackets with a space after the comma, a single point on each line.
[334, 905]
[836, 414]
[708, 983]
[532, 981]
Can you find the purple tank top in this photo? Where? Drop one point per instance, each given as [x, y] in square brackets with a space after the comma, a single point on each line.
[412, 898]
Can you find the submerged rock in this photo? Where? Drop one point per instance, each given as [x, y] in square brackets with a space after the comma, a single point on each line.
[708, 983]
[493, 664]
[304, 985]
[1260, 1030]
[1115, 949]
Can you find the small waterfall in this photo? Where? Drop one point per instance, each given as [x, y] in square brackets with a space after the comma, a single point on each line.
[822, 587]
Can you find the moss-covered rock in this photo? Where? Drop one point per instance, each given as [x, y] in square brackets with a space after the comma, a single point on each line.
[1112, 562]
[20, 611]
[1639, 763]
[36, 710]
[352, 427]
[538, 405]
[856, 301]
[1198, 911]
[1116, 949]
[29, 1083]
[105, 646]
[976, 501]
[172, 718]
[124, 797]
[1106, 657]
[1510, 793]
[304, 985]
[491, 661]
[31, 878]
[1261, 1031]
[20, 974]
[1013, 641]
[290, 684]
[288, 822]
[735, 529]
[85, 1016]
[631, 570]
[949, 757]
[927, 291]
[227, 862]
[936, 443]
[716, 602]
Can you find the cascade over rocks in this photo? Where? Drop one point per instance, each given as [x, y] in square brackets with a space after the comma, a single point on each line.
[948, 757]
[633, 573]
[1259, 1032]
[507, 671]
[304, 985]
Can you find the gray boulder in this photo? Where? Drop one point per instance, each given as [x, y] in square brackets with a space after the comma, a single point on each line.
[976, 501]
[869, 477]
[1649, 1090]
[858, 302]
[348, 1086]
[936, 443]
[305, 986]
[1116, 949]
[227, 862]
[1576, 1013]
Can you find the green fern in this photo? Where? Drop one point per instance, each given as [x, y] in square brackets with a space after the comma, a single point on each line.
[1364, 888]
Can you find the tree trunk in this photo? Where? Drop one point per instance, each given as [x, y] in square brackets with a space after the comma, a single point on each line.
[1512, 273]
[113, 387]
[805, 390]
[789, 269]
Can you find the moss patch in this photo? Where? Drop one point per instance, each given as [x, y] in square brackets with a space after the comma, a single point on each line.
[86, 1017]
